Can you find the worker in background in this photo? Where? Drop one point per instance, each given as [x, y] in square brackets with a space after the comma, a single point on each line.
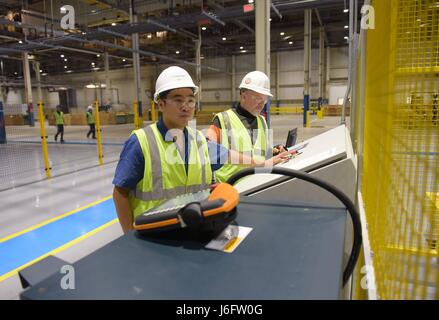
[59, 122]
[167, 159]
[91, 122]
[243, 128]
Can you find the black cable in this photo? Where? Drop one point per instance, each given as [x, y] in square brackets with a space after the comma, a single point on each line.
[356, 246]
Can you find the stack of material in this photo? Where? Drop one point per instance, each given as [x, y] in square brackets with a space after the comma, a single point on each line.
[14, 120]
[78, 119]
[204, 118]
[335, 110]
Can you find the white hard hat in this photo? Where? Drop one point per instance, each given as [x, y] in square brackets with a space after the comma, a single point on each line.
[256, 81]
[89, 108]
[173, 78]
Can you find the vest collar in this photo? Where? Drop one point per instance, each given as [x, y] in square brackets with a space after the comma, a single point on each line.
[163, 130]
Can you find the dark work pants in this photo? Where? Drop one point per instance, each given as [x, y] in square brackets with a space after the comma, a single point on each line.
[92, 131]
[60, 131]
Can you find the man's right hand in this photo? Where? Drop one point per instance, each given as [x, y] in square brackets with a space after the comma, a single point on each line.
[278, 149]
[280, 158]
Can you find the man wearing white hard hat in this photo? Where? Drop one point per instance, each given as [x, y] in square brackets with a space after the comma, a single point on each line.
[167, 159]
[243, 128]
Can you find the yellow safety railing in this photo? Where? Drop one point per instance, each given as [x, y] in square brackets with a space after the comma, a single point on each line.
[400, 178]
[41, 118]
[153, 112]
[308, 119]
[136, 115]
[286, 110]
[98, 133]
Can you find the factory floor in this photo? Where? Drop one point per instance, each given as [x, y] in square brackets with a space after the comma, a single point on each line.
[72, 214]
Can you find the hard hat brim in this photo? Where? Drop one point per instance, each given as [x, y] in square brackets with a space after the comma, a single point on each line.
[172, 87]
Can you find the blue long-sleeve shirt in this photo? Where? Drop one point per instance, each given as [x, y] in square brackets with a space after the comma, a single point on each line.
[131, 166]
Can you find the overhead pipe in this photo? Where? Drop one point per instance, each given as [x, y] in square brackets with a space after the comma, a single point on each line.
[276, 10]
[98, 42]
[114, 33]
[236, 21]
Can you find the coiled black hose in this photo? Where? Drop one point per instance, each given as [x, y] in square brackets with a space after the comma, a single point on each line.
[356, 246]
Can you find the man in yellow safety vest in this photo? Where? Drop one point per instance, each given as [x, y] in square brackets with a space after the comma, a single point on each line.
[59, 122]
[91, 122]
[168, 158]
[243, 128]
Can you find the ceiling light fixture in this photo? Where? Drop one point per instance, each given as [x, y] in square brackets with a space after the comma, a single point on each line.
[177, 52]
[224, 39]
[282, 33]
[62, 56]
[203, 28]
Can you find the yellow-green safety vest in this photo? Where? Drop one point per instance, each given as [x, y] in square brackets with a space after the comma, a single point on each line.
[235, 136]
[165, 175]
[90, 118]
[59, 117]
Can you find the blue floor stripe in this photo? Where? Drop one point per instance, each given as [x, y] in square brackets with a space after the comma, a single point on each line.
[33, 244]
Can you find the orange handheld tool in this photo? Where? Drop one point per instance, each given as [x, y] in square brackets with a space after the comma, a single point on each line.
[203, 209]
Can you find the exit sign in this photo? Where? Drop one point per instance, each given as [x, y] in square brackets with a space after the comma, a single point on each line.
[248, 7]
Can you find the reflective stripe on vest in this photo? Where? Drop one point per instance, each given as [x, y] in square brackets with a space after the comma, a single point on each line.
[158, 191]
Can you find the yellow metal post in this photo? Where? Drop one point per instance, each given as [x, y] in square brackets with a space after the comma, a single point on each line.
[153, 114]
[319, 114]
[98, 132]
[136, 115]
[44, 139]
[308, 119]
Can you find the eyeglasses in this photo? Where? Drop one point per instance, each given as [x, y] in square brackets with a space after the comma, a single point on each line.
[257, 99]
[180, 102]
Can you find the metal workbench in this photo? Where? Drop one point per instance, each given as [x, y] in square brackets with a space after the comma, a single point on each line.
[293, 252]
